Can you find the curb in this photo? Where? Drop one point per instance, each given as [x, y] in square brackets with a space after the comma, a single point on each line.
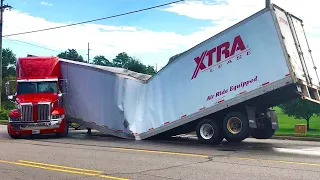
[317, 139]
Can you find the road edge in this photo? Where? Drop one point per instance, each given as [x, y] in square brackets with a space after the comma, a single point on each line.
[297, 138]
[317, 139]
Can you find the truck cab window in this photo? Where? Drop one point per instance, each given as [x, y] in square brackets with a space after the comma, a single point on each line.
[48, 87]
[37, 87]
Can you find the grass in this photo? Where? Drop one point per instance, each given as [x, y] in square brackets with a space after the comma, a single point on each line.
[3, 121]
[287, 125]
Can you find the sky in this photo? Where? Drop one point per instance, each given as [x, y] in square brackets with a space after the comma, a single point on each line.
[152, 36]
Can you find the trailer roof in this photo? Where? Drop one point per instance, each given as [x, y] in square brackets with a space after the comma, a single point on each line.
[114, 70]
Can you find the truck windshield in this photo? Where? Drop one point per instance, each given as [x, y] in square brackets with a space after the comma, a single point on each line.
[37, 87]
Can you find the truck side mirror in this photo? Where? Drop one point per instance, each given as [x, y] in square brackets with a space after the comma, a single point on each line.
[12, 98]
[64, 86]
[7, 88]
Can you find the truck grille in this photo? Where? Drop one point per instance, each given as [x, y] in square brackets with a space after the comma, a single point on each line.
[43, 111]
[26, 112]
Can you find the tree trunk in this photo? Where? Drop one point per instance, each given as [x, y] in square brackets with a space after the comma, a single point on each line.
[308, 124]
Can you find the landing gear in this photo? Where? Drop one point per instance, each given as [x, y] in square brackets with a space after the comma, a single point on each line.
[236, 127]
[89, 131]
[264, 128]
[209, 132]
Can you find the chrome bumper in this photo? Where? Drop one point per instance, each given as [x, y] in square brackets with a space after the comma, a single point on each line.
[53, 124]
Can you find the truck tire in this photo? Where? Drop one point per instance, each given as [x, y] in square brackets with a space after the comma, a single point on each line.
[264, 131]
[11, 135]
[209, 132]
[65, 132]
[236, 127]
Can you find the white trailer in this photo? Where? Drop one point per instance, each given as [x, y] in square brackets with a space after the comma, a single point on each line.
[221, 88]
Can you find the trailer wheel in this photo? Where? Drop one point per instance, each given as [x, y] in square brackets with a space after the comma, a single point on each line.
[209, 132]
[264, 131]
[236, 127]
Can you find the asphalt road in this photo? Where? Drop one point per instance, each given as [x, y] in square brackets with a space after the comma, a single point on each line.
[103, 157]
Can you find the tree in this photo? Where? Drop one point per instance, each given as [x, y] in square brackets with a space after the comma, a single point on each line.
[101, 60]
[121, 60]
[8, 73]
[301, 109]
[135, 65]
[8, 63]
[150, 70]
[71, 54]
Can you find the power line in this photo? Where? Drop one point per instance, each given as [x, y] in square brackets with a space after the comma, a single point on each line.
[32, 44]
[45, 47]
[84, 22]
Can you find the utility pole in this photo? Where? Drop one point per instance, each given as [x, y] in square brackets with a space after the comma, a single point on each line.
[2, 8]
[268, 3]
[88, 53]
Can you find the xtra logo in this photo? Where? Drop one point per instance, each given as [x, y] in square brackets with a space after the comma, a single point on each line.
[219, 54]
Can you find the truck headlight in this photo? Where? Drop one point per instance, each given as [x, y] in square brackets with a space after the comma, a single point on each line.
[59, 116]
[14, 119]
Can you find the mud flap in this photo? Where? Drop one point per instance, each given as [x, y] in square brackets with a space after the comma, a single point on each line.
[273, 117]
[251, 112]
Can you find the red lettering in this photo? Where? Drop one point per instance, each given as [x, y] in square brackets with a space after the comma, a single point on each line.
[200, 65]
[210, 54]
[210, 97]
[225, 51]
[222, 51]
[237, 45]
[283, 21]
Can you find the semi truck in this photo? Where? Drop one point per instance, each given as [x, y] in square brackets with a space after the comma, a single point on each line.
[223, 88]
[38, 98]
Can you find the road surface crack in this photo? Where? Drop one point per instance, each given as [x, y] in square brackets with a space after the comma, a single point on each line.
[146, 172]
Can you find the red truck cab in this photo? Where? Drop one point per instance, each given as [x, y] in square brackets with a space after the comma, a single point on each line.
[38, 98]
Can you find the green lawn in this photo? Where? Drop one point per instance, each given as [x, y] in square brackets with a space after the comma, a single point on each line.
[287, 124]
[3, 121]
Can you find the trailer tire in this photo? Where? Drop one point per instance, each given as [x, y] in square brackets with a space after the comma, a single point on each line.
[231, 133]
[209, 132]
[265, 130]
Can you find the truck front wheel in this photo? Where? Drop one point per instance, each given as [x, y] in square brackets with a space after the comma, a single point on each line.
[209, 132]
[12, 135]
[65, 132]
[236, 127]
